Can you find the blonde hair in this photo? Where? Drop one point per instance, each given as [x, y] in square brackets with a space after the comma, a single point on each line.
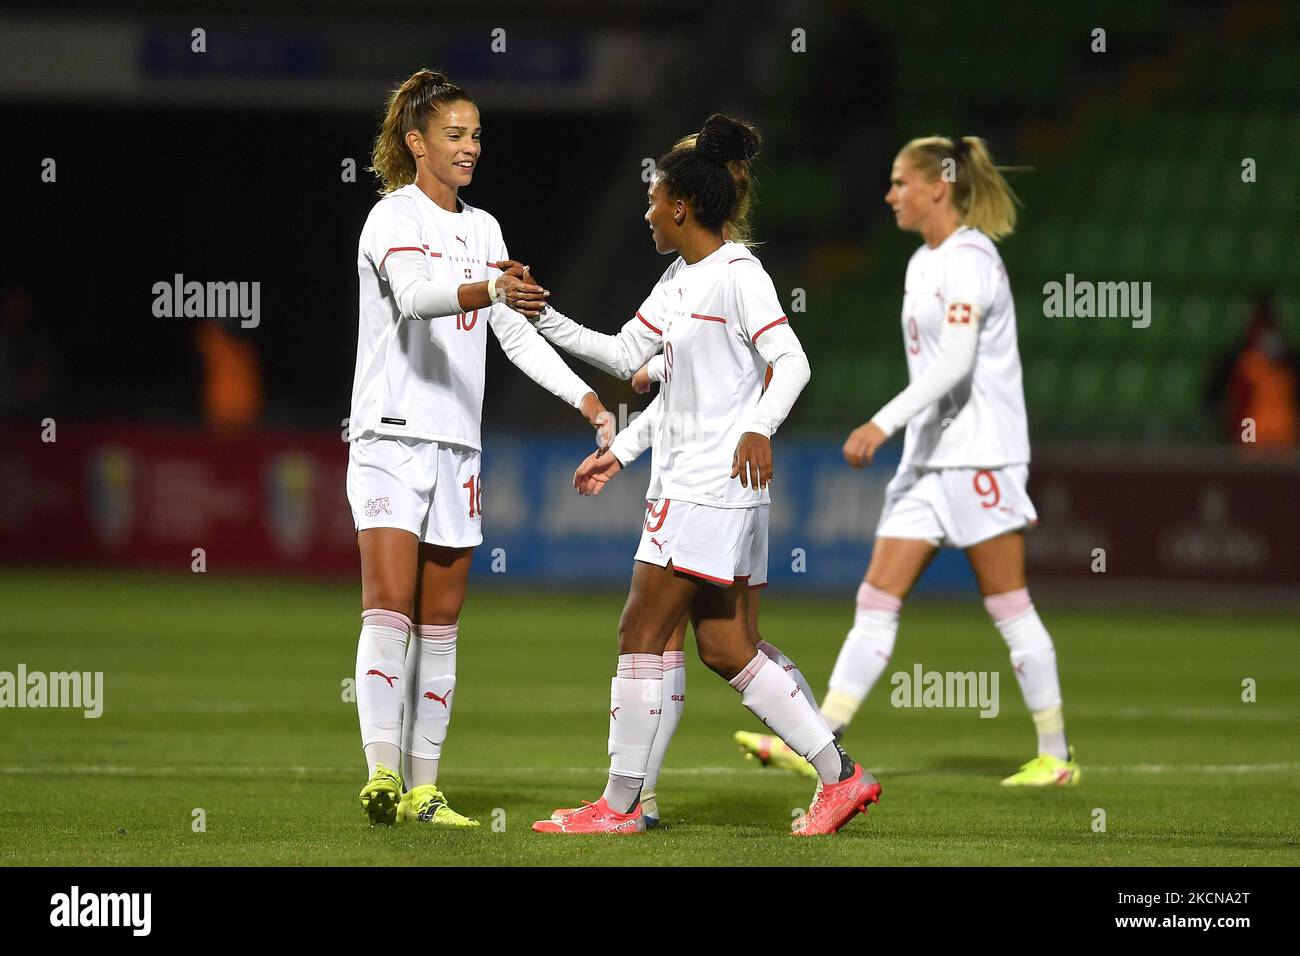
[410, 107]
[980, 194]
[736, 228]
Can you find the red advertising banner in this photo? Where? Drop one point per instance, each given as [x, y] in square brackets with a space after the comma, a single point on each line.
[112, 494]
[1198, 518]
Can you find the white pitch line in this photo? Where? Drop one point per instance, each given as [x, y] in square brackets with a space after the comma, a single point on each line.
[183, 771]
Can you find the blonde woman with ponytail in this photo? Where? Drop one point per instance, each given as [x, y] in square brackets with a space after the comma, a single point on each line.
[962, 479]
[434, 274]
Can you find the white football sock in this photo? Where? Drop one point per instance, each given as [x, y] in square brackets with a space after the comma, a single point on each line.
[381, 694]
[431, 670]
[790, 667]
[1033, 657]
[674, 702]
[774, 698]
[862, 659]
[635, 702]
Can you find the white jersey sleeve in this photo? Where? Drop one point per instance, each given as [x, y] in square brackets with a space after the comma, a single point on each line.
[656, 369]
[534, 357]
[967, 292]
[762, 320]
[958, 343]
[629, 444]
[392, 243]
[529, 351]
[620, 354]
[968, 278]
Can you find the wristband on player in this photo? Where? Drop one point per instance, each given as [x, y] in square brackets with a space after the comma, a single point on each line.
[493, 296]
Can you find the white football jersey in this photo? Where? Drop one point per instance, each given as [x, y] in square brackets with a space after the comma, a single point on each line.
[981, 423]
[417, 378]
[710, 316]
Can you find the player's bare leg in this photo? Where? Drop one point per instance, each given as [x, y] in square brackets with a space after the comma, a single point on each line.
[442, 581]
[999, 566]
[896, 565]
[389, 559]
[720, 617]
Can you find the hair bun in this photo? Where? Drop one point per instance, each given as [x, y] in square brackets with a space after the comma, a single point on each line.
[436, 77]
[725, 140]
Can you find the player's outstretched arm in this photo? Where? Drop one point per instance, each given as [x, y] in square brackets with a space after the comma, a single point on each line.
[599, 467]
[620, 354]
[536, 359]
[958, 343]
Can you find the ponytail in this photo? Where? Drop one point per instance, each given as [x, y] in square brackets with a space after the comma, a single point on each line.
[410, 107]
[694, 170]
[980, 193]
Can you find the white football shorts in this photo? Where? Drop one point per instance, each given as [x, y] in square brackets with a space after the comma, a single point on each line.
[428, 488]
[719, 545]
[956, 507]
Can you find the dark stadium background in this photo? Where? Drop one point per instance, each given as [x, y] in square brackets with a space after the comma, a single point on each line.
[226, 166]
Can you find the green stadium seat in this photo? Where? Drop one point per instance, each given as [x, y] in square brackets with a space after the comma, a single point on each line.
[1221, 253]
[1196, 321]
[1086, 393]
[1175, 253]
[1288, 310]
[1043, 387]
[1179, 388]
[1122, 414]
[1155, 184]
[1093, 250]
[1266, 255]
[1134, 249]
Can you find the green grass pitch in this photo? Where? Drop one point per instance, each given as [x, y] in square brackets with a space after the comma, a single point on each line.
[227, 696]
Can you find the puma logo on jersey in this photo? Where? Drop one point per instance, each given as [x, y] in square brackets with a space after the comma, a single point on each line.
[383, 675]
[657, 544]
[376, 506]
[442, 700]
[462, 242]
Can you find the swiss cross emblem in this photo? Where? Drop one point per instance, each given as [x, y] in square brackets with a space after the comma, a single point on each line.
[467, 274]
[959, 313]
